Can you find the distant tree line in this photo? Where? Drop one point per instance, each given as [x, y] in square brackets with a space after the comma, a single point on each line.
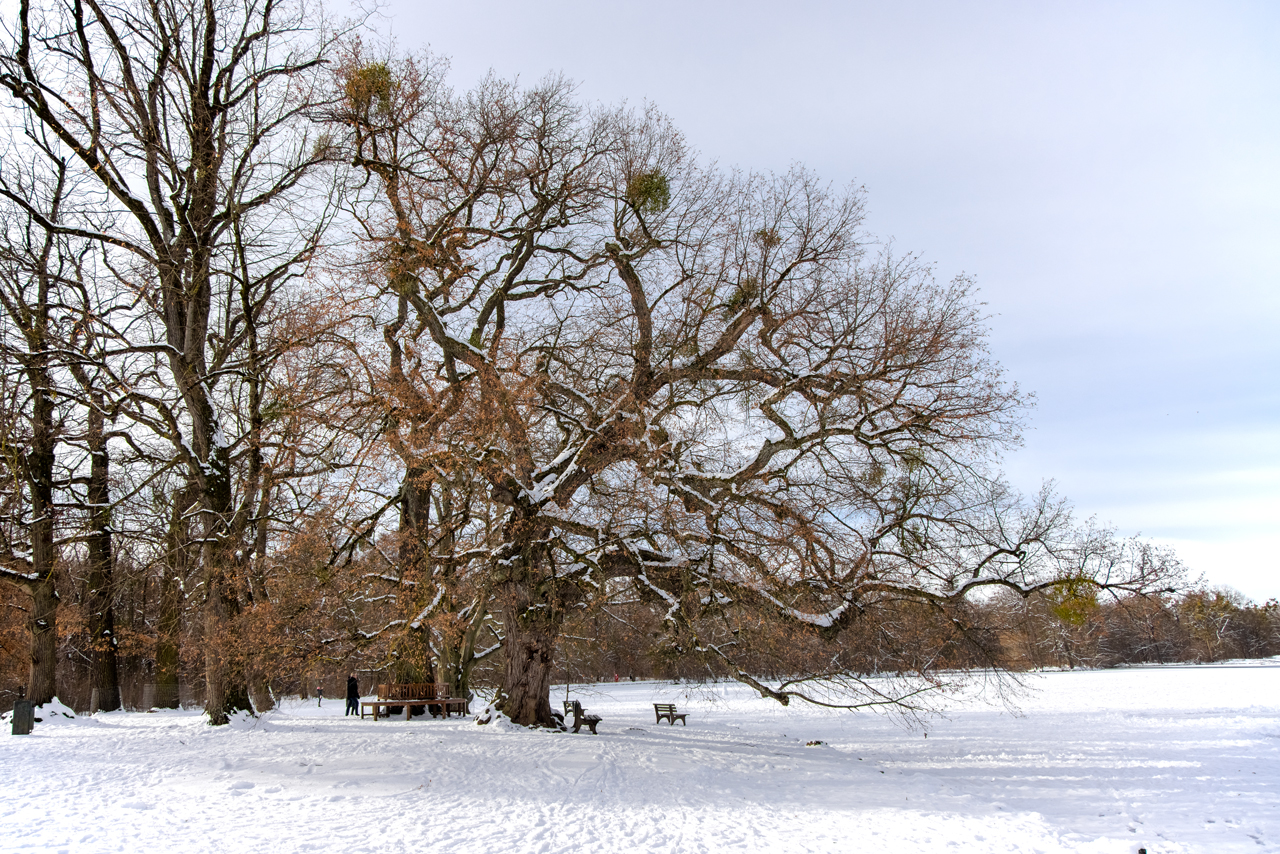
[309, 362]
[624, 641]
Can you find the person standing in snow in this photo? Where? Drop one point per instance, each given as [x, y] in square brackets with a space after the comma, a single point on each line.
[353, 696]
[319, 695]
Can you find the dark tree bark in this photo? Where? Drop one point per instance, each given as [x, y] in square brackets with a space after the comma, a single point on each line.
[530, 646]
[43, 624]
[175, 569]
[99, 587]
[43, 620]
[29, 293]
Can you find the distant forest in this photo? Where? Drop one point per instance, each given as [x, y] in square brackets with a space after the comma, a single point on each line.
[623, 641]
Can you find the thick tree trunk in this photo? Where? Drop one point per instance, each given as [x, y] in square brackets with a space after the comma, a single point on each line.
[260, 693]
[456, 657]
[98, 600]
[43, 622]
[226, 688]
[415, 525]
[42, 683]
[530, 645]
[176, 568]
[169, 625]
[451, 665]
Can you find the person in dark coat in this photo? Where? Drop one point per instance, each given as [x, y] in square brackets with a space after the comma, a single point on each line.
[353, 696]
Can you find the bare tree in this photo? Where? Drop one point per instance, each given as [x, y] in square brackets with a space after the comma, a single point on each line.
[190, 119]
[34, 266]
[605, 373]
[711, 388]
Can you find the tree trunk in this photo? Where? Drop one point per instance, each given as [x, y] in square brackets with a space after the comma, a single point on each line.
[169, 624]
[227, 690]
[224, 693]
[530, 644]
[456, 659]
[260, 692]
[42, 683]
[98, 600]
[167, 650]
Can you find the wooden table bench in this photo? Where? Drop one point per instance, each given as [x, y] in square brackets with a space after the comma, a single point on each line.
[580, 717]
[429, 695]
[668, 711]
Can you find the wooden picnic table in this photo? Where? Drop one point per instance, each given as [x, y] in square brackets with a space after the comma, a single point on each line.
[430, 695]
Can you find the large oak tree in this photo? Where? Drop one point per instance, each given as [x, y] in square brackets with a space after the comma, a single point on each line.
[709, 389]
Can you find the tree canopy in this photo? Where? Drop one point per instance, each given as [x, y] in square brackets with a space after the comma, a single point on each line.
[501, 358]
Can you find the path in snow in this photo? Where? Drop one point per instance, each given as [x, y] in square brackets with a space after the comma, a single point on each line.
[1169, 758]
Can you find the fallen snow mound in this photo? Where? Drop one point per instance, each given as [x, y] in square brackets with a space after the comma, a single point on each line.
[52, 712]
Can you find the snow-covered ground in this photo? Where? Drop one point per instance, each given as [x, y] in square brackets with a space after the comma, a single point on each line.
[1171, 759]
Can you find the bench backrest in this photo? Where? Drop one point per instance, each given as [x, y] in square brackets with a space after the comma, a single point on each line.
[664, 708]
[413, 691]
[573, 707]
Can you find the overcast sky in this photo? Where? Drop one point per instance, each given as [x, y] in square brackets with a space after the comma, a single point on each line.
[1110, 174]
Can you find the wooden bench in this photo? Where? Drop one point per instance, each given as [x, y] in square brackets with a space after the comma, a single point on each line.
[668, 711]
[580, 717]
[433, 696]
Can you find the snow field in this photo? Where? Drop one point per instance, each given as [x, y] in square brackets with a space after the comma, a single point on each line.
[1173, 759]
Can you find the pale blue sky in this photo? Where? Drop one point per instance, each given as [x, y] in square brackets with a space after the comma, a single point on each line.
[1110, 173]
